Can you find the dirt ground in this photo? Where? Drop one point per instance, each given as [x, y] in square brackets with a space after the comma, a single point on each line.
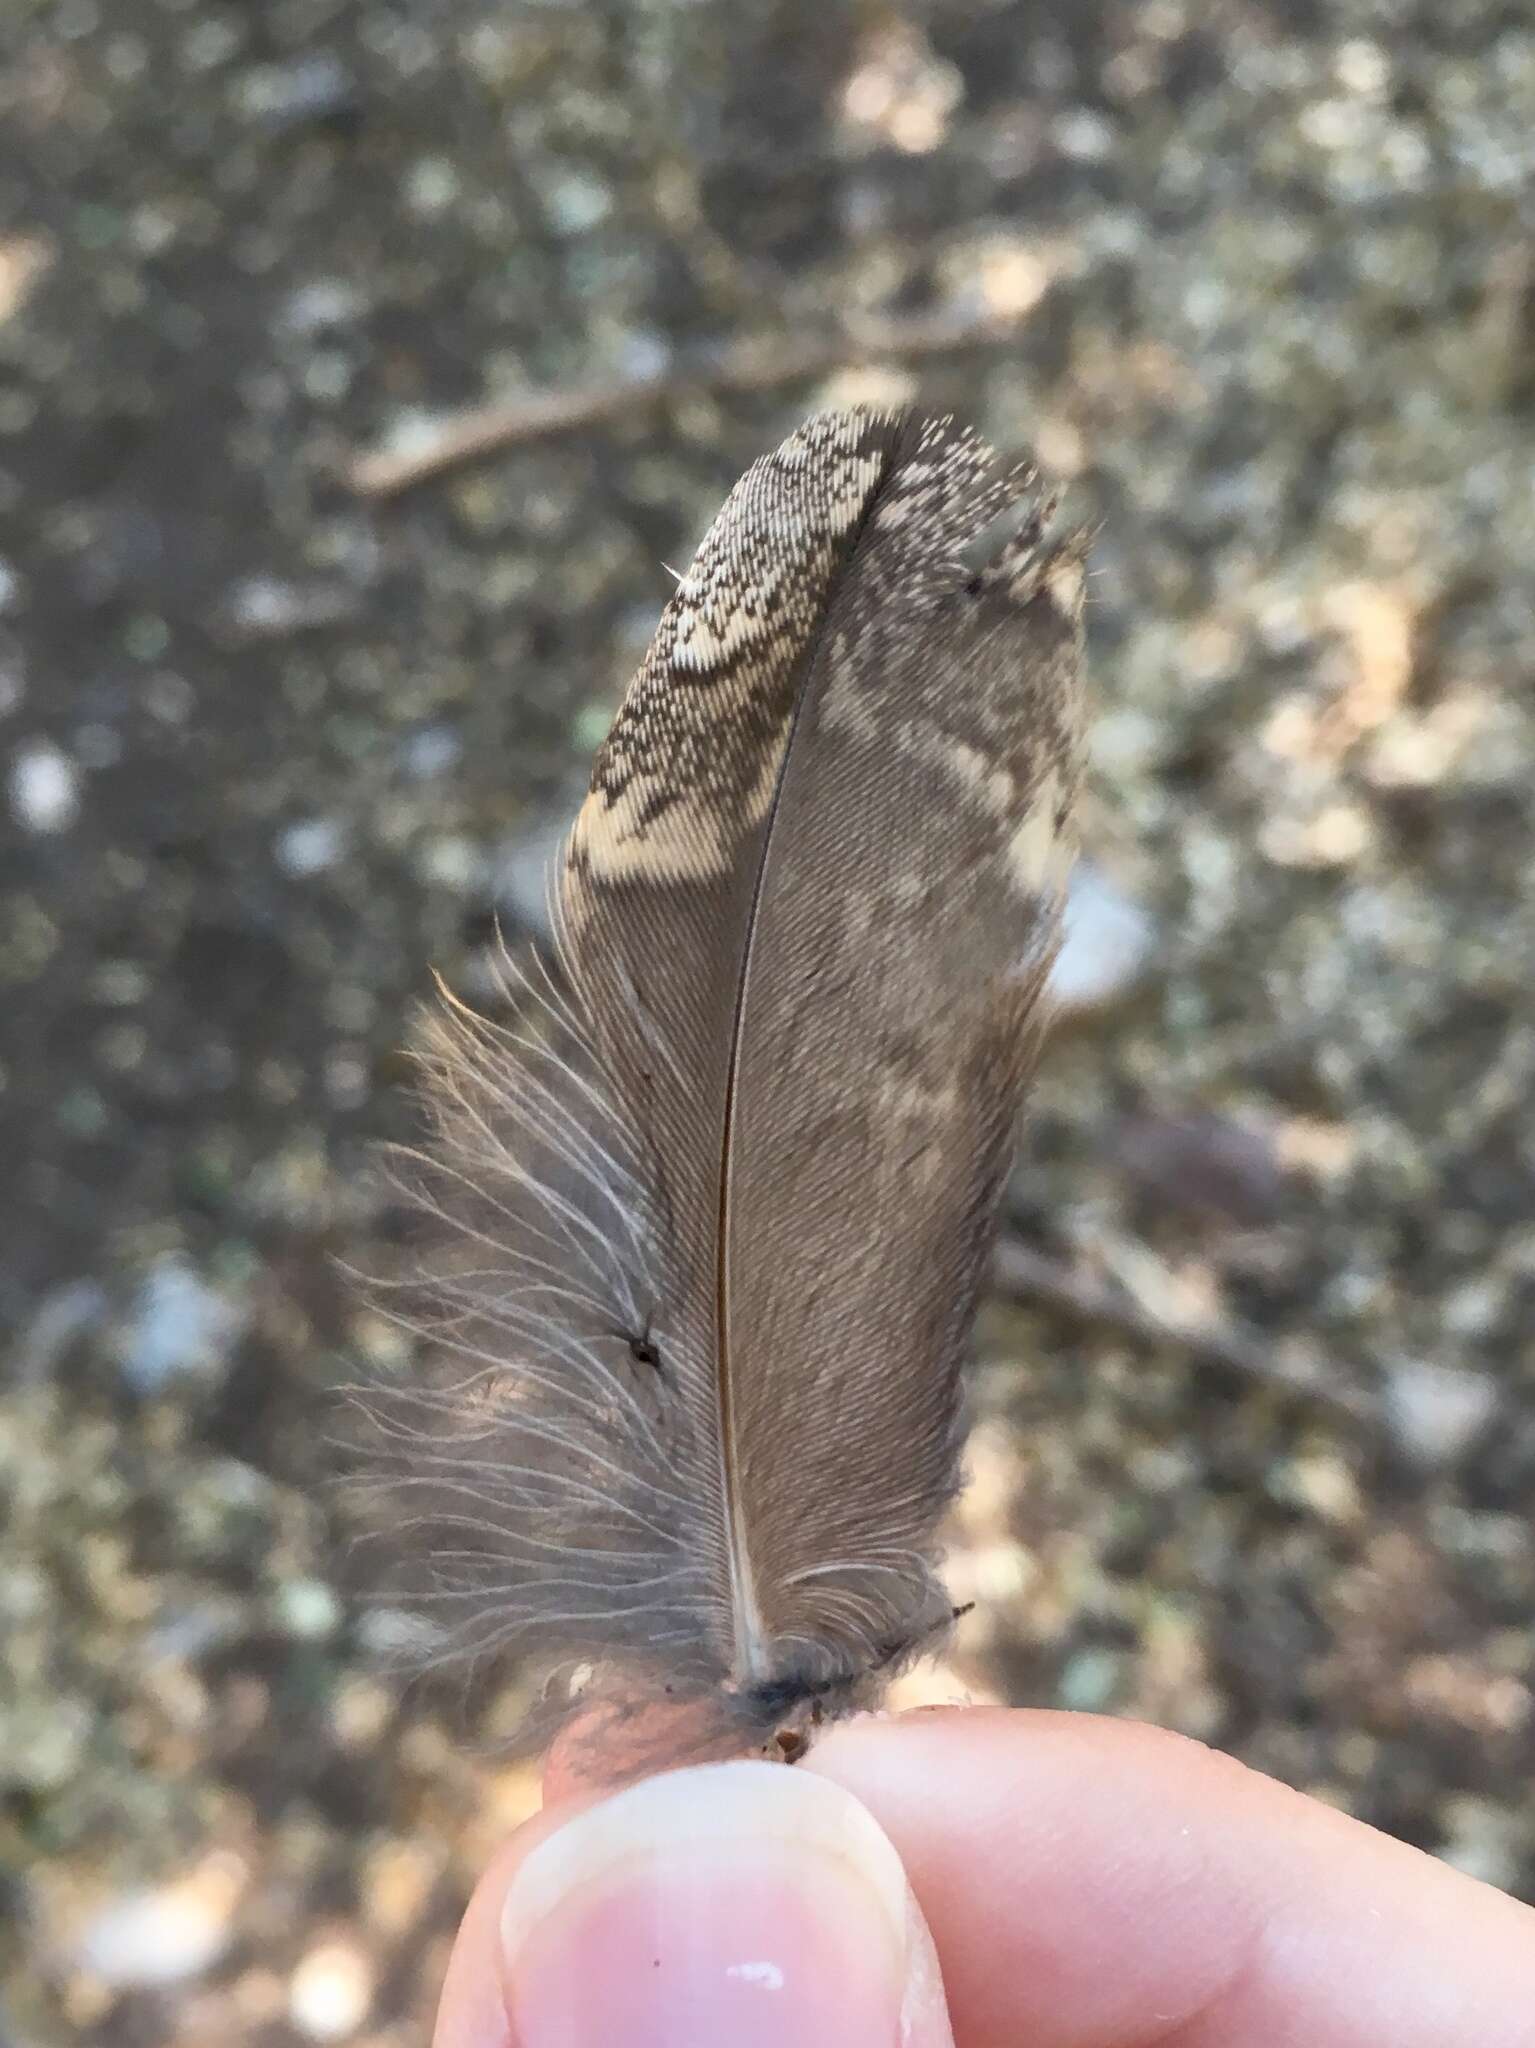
[273, 749]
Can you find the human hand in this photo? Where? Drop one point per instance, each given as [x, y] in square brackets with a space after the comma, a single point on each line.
[1083, 1883]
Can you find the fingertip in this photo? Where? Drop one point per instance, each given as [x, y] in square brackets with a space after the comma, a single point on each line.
[738, 1901]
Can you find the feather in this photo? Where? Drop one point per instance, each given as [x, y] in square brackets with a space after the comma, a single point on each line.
[718, 1200]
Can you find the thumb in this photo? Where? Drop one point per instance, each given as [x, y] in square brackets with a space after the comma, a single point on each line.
[740, 1902]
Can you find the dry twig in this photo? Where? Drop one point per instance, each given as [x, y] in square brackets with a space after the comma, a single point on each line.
[1026, 1274]
[755, 365]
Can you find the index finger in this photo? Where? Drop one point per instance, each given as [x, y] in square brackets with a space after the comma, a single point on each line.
[1098, 1884]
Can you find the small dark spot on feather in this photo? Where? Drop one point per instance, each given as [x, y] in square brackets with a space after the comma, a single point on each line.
[643, 1351]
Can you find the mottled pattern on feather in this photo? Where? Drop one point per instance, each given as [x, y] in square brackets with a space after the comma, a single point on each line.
[721, 1234]
[692, 758]
[906, 915]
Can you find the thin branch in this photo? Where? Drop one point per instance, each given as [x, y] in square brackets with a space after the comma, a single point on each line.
[751, 365]
[1026, 1274]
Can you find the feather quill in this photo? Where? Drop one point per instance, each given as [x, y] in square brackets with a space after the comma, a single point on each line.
[718, 1202]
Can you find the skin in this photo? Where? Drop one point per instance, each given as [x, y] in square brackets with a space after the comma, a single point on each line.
[1097, 1884]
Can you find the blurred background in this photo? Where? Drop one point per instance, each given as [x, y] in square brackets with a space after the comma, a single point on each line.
[361, 364]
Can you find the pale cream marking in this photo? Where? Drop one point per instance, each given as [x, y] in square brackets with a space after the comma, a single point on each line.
[1066, 580]
[1037, 854]
[690, 841]
[908, 1109]
[849, 710]
[895, 513]
[703, 644]
[909, 1100]
[969, 766]
[846, 710]
[617, 846]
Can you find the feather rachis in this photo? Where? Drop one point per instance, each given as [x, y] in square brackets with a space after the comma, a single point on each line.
[723, 1193]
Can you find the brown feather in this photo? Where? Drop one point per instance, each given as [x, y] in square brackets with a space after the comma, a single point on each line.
[722, 1219]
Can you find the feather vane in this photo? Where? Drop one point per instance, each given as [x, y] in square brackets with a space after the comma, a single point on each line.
[718, 1202]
